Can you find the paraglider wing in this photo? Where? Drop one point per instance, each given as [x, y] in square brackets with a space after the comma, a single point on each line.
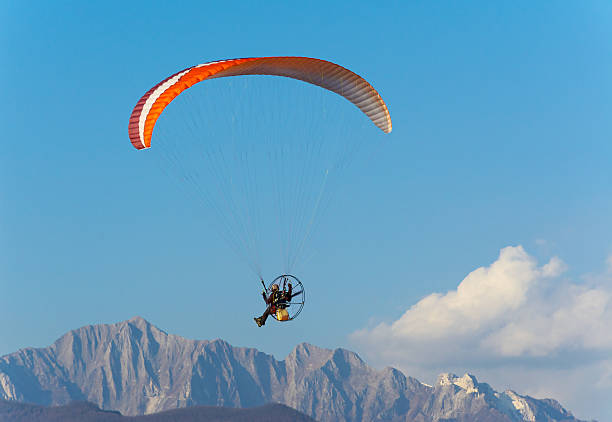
[317, 72]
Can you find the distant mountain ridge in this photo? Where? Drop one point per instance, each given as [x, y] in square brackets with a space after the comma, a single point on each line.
[11, 411]
[135, 368]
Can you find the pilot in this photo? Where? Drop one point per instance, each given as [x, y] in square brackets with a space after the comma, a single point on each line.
[276, 299]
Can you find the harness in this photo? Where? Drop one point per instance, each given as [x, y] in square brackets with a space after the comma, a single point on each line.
[279, 300]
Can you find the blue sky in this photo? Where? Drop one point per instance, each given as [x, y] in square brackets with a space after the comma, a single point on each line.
[501, 137]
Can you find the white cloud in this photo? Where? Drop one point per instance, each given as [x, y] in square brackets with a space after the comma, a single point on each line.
[512, 317]
[580, 321]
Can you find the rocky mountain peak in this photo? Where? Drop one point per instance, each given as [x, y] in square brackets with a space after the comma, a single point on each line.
[137, 320]
[309, 357]
[468, 383]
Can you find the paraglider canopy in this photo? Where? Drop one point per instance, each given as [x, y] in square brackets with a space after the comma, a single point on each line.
[315, 71]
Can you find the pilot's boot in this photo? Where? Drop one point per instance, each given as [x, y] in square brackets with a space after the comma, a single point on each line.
[259, 321]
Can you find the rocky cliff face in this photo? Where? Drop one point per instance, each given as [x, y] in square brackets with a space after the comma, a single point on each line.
[136, 368]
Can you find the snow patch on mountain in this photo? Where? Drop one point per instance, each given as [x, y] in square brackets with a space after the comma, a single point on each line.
[521, 405]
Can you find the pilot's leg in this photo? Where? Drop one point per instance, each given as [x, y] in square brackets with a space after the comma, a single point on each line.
[265, 315]
[262, 319]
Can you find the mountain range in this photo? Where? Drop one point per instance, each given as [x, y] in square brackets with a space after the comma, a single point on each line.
[135, 368]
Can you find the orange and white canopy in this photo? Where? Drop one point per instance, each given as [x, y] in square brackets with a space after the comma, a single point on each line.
[317, 72]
